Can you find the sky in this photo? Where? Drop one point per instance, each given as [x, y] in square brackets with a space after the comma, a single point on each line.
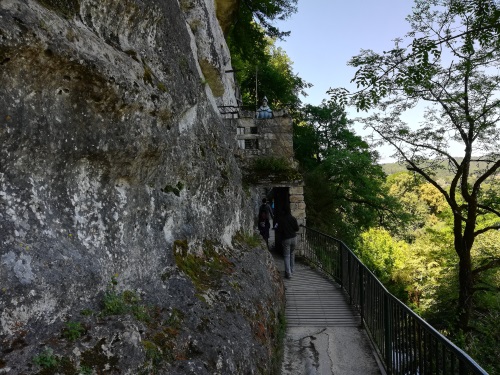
[325, 34]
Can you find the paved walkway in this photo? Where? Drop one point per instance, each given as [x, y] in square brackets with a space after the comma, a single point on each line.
[323, 332]
[312, 300]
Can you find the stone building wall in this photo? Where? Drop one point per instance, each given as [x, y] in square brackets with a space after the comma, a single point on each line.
[270, 138]
[297, 204]
[264, 137]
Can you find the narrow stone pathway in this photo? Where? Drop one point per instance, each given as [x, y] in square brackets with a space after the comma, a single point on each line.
[312, 300]
[323, 332]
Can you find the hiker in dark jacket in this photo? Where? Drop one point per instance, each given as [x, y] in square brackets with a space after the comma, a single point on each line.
[288, 228]
[265, 213]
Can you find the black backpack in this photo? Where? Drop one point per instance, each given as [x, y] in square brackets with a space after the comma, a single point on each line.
[263, 215]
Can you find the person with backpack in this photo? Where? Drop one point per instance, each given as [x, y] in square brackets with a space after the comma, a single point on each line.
[288, 228]
[265, 213]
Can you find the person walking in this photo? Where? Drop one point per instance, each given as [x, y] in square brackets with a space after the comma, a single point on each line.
[265, 213]
[288, 228]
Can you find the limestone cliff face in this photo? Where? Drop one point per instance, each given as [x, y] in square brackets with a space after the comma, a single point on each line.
[120, 196]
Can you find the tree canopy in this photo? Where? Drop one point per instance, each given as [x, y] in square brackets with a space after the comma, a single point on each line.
[345, 187]
[257, 60]
[274, 77]
[449, 61]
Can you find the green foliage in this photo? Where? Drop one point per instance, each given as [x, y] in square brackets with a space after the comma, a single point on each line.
[85, 370]
[159, 340]
[161, 86]
[250, 239]
[87, 312]
[345, 190]
[279, 343]
[66, 8]
[73, 330]
[380, 253]
[175, 319]
[205, 270]
[98, 358]
[443, 174]
[50, 364]
[174, 189]
[46, 359]
[271, 165]
[148, 74]
[271, 168]
[254, 22]
[483, 341]
[126, 302]
[114, 303]
[450, 63]
[255, 57]
[419, 199]
[152, 351]
[274, 74]
[420, 266]
[186, 5]
[306, 145]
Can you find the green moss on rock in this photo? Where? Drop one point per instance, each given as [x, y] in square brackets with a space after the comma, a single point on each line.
[212, 77]
[65, 8]
[174, 189]
[271, 168]
[205, 271]
[226, 11]
[97, 359]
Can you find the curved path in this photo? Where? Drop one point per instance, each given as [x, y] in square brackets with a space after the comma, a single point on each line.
[323, 332]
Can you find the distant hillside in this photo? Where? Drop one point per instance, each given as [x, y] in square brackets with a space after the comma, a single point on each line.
[442, 174]
[391, 168]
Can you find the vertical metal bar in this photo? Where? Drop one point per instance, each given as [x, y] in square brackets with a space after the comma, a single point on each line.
[409, 354]
[399, 337]
[432, 350]
[418, 345]
[361, 294]
[378, 316]
[349, 278]
[341, 278]
[425, 368]
[428, 355]
[413, 345]
[395, 340]
[256, 88]
[443, 360]
[403, 338]
[388, 334]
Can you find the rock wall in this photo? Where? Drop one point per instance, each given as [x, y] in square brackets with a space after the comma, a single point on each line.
[122, 216]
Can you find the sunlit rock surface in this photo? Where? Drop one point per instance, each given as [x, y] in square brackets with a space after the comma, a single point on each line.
[120, 198]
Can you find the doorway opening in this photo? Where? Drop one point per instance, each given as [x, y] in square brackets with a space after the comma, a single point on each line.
[280, 196]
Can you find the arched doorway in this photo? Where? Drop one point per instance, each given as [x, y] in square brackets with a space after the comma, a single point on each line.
[281, 198]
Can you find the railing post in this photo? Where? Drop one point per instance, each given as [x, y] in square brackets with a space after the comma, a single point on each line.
[388, 334]
[302, 245]
[349, 280]
[361, 293]
[341, 278]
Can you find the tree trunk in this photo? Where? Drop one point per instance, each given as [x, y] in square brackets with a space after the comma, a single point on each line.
[466, 285]
[463, 245]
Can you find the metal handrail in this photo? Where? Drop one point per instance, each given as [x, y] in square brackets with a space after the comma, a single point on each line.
[406, 344]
